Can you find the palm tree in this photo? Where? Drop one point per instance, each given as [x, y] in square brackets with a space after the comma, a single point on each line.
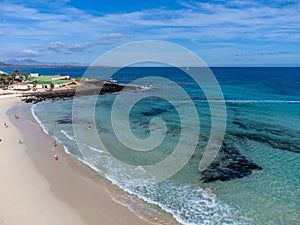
[12, 76]
[10, 80]
[24, 74]
[16, 71]
[2, 80]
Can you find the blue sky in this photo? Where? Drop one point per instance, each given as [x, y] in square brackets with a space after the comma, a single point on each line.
[222, 33]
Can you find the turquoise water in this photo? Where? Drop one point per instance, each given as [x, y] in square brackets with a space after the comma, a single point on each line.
[255, 176]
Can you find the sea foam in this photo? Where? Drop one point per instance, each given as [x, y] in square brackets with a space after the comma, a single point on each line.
[33, 112]
[67, 135]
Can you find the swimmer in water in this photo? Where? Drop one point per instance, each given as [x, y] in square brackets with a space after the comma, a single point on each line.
[209, 193]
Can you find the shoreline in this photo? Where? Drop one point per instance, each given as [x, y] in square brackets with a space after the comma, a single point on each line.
[23, 189]
[90, 196]
[86, 86]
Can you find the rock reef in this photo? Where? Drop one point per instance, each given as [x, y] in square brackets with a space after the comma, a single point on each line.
[230, 164]
[88, 87]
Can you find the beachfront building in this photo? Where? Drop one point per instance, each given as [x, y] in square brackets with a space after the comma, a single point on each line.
[60, 77]
[49, 82]
[22, 87]
[52, 84]
[34, 75]
[61, 83]
[43, 85]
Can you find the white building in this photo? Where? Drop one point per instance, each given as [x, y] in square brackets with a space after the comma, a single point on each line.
[34, 74]
[62, 84]
[65, 77]
[43, 86]
[19, 87]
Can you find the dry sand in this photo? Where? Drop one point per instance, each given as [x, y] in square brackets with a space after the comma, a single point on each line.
[37, 190]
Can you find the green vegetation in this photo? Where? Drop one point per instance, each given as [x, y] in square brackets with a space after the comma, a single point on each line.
[50, 81]
[47, 80]
[6, 79]
[24, 74]
[17, 76]
[42, 78]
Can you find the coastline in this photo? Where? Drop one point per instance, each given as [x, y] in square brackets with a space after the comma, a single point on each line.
[85, 197]
[24, 191]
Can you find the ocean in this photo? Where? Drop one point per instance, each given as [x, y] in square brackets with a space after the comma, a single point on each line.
[255, 176]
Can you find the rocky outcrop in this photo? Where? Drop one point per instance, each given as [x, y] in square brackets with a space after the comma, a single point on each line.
[88, 87]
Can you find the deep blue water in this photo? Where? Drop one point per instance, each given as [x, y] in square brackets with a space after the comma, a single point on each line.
[255, 176]
[258, 80]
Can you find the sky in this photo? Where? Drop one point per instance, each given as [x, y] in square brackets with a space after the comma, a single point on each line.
[221, 32]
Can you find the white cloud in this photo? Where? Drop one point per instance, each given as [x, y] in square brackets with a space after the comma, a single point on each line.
[216, 21]
[114, 36]
[21, 53]
[28, 53]
[208, 20]
[80, 47]
[204, 20]
[27, 13]
[56, 46]
[83, 46]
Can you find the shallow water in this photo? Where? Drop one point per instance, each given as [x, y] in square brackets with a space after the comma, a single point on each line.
[255, 176]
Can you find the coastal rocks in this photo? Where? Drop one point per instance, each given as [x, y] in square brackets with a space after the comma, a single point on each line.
[36, 97]
[229, 164]
[89, 87]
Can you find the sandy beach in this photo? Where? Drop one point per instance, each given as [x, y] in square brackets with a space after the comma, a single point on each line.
[36, 189]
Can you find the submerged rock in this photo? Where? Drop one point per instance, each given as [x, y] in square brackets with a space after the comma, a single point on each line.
[275, 136]
[64, 121]
[229, 164]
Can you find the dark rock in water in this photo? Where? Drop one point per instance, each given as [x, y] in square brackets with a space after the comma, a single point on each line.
[241, 125]
[89, 87]
[276, 141]
[64, 121]
[154, 112]
[230, 164]
[277, 137]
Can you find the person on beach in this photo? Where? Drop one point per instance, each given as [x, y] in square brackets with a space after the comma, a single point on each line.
[20, 142]
[56, 157]
[5, 125]
[17, 117]
[55, 144]
[89, 127]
